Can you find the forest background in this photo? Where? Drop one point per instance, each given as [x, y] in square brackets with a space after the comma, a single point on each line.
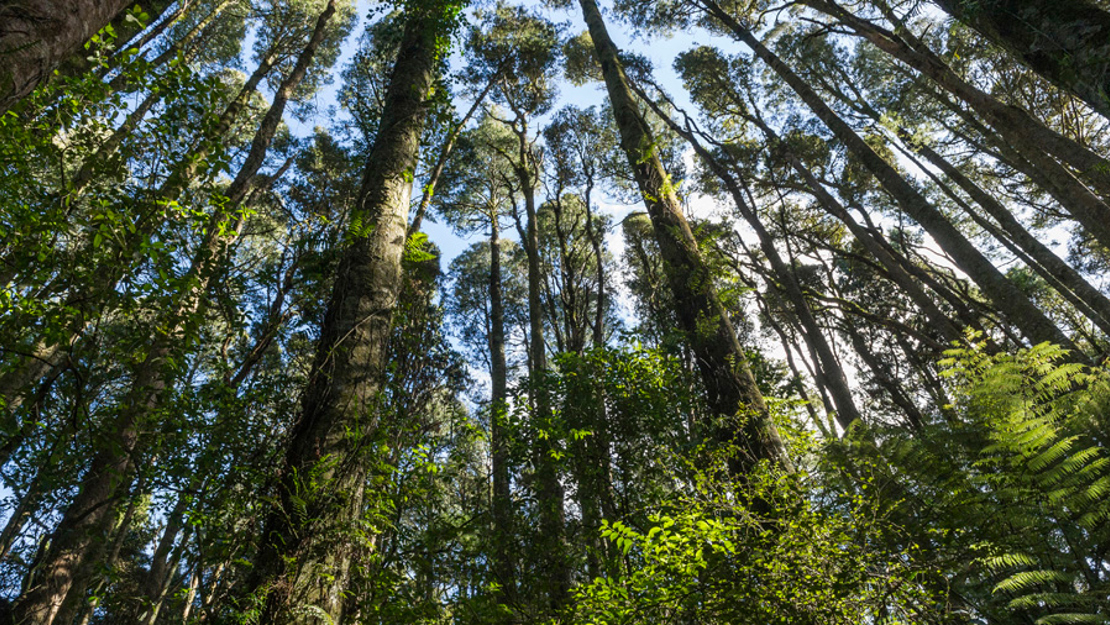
[669, 311]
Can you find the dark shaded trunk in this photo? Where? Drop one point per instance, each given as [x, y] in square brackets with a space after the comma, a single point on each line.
[1057, 272]
[127, 32]
[36, 36]
[501, 504]
[1067, 43]
[308, 541]
[730, 386]
[882, 375]
[163, 564]
[1062, 276]
[1009, 300]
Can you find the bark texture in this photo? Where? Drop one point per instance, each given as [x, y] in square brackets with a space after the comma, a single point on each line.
[36, 36]
[311, 532]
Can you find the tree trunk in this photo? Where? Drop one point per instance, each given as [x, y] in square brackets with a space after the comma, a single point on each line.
[724, 370]
[442, 159]
[501, 505]
[549, 490]
[127, 31]
[36, 36]
[1009, 300]
[1067, 43]
[311, 532]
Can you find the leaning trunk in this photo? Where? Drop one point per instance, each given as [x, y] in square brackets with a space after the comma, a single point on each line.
[1067, 43]
[731, 388]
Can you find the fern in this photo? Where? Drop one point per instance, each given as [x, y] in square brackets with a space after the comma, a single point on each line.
[1020, 481]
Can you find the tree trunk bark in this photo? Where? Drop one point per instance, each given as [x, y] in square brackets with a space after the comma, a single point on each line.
[1067, 43]
[501, 505]
[36, 36]
[311, 532]
[721, 361]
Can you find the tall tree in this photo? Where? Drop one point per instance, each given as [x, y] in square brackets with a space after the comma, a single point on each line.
[728, 380]
[311, 531]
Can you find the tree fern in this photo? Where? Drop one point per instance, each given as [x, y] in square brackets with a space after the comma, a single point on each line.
[1038, 478]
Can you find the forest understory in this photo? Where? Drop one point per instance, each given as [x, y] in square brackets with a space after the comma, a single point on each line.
[680, 312]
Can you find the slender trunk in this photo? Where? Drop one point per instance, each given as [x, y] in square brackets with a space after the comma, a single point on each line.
[441, 160]
[163, 564]
[504, 570]
[720, 359]
[308, 541]
[158, 25]
[550, 491]
[88, 171]
[594, 233]
[1010, 301]
[191, 594]
[881, 372]
[1067, 43]
[36, 36]
[1055, 270]
[186, 45]
[1067, 281]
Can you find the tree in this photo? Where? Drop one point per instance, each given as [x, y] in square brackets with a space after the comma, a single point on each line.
[1064, 43]
[724, 369]
[305, 557]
